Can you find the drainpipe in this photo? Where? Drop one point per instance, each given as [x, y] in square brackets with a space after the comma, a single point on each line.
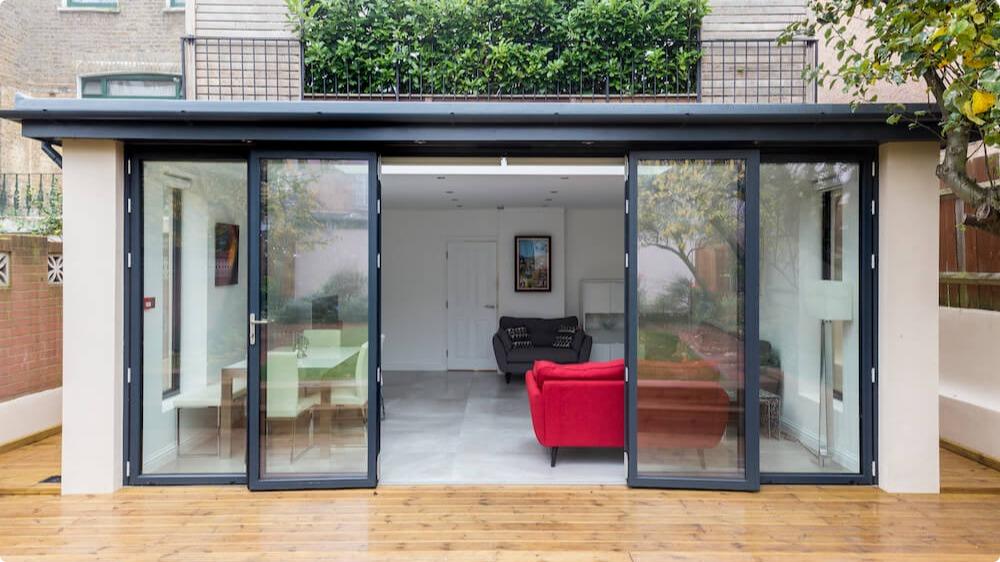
[52, 153]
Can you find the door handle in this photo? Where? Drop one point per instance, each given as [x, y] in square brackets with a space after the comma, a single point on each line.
[253, 327]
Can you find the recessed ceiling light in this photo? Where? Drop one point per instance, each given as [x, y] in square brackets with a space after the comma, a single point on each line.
[554, 191]
[459, 206]
[564, 178]
[548, 199]
[449, 192]
[440, 177]
[454, 199]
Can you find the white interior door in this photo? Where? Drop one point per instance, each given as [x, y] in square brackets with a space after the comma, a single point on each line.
[471, 304]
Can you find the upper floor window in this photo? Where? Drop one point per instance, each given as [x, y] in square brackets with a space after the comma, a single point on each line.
[166, 86]
[105, 4]
[176, 3]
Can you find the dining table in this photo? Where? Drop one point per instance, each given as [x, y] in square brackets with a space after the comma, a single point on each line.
[316, 368]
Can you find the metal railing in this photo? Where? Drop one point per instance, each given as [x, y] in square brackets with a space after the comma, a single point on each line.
[29, 195]
[256, 68]
[708, 71]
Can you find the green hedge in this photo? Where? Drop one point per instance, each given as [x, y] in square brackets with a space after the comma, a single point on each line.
[480, 47]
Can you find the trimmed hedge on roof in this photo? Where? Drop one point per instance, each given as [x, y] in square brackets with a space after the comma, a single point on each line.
[490, 47]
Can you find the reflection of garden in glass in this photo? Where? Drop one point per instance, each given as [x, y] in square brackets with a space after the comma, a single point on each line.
[690, 318]
[314, 291]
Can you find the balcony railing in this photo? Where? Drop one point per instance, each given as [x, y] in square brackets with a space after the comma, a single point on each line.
[29, 195]
[708, 71]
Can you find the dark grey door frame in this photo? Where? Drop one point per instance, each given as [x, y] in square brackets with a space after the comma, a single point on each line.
[751, 415]
[254, 479]
[133, 311]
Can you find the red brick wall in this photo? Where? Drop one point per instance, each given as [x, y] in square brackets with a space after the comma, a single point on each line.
[30, 319]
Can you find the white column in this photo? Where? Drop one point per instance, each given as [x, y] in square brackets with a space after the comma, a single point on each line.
[93, 299]
[908, 318]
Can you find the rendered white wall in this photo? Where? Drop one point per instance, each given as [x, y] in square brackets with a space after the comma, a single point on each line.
[970, 389]
[908, 318]
[93, 297]
[30, 414]
[586, 244]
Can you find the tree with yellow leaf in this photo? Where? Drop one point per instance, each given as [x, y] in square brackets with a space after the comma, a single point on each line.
[949, 45]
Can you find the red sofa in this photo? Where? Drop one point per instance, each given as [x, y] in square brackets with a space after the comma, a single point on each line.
[578, 405]
[583, 405]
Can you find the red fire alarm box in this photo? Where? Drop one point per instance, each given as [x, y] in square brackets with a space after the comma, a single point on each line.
[148, 303]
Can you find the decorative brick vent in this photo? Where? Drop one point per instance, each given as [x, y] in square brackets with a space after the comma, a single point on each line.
[54, 269]
[4, 269]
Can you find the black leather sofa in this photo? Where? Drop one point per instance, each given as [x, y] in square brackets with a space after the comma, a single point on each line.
[542, 333]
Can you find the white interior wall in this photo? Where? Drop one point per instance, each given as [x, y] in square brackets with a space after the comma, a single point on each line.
[969, 391]
[595, 249]
[586, 244]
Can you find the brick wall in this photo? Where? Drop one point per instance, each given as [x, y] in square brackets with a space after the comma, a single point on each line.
[30, 319]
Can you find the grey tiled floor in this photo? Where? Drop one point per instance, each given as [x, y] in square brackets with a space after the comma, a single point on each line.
[470, 427]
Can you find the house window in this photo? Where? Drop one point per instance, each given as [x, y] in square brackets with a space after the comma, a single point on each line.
[4, 269]
[166, 86]
[104, 4]
[176, 3]
[54, 269]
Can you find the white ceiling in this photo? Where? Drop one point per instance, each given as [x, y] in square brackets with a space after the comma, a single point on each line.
[487, 184]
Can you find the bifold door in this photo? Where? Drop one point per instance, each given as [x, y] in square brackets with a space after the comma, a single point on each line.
[692, 337]
[313, 320]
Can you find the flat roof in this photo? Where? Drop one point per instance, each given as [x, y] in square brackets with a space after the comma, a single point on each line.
[392, 121]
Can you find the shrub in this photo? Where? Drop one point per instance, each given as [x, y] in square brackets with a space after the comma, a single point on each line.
[490, 47]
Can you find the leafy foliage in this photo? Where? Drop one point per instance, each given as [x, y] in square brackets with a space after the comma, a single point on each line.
[480, 47]
[950, 45]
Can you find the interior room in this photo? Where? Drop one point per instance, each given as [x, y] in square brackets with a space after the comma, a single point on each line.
[449, 274]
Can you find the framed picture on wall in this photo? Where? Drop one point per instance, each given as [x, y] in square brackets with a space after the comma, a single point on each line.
[532, 264]
[227, 247]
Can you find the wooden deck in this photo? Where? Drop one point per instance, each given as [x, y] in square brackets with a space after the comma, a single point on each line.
[501, 524]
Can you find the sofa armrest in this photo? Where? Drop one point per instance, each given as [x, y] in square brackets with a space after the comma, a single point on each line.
[537, 405]
[583, 352]
[500, 352]
[584, 413]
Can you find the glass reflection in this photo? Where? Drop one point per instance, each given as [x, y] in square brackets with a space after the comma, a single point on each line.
[690, 315]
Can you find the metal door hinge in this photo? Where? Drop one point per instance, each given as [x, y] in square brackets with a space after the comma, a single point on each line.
[626, 374]
[873, 375]
[873, 261]
[378, 374]
[128, 375]
[626, 260]
[626, 206]
[128, 166]
[873, 167]
[128, 204]
[874, 469]
[128, 260]
[873, 207]
[378, 260]
[378, 205]
[626, 465]
[128, 468]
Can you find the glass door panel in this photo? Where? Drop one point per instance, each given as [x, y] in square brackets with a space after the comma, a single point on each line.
[692, 344]
[313, 327]
[809, 317]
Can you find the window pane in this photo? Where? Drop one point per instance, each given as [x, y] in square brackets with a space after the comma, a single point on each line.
[809, 325]
[690, 313]
[314, 292]
[142, 88]
[194, 317]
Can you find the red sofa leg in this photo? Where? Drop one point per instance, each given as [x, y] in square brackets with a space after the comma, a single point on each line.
[555, 451]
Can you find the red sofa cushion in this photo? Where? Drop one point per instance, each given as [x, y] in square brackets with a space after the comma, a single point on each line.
[591, 371]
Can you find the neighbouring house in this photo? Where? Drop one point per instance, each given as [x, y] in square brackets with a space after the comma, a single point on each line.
[312, 270]
[59, 49]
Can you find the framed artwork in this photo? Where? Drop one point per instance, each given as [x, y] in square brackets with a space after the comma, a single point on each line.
[533, 264]
[227, 247]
